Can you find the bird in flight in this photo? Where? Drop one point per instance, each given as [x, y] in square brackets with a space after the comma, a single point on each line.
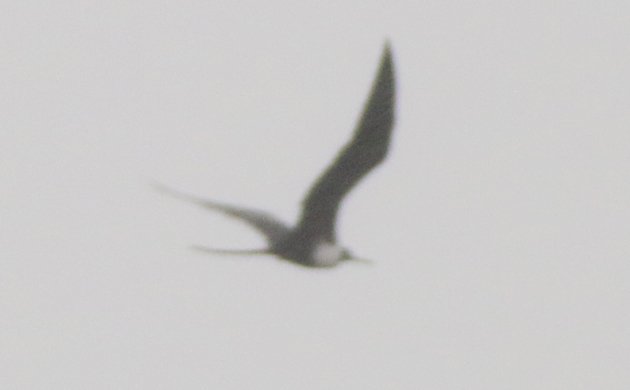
[312, 241]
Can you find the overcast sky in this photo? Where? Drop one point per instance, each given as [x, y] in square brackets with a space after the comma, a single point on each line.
[499, 225]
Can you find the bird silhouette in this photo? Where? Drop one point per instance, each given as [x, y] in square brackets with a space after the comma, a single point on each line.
[312, 242]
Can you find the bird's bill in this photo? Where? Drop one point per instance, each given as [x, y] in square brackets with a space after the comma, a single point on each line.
[361, 260]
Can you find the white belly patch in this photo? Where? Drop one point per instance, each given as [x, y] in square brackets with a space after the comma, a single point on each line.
[326, 254]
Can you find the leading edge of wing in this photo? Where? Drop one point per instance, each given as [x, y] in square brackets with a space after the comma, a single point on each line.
[271, 227]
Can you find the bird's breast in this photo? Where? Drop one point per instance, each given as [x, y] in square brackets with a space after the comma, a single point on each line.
[326, 254]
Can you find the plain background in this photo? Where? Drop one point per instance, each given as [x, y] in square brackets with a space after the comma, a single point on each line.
[499, 225]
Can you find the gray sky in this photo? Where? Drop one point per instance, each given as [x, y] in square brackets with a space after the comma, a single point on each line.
[499, 226]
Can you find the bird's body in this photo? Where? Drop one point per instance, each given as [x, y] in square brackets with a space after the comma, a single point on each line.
[312, 241]
[309, 252]
[326, 254]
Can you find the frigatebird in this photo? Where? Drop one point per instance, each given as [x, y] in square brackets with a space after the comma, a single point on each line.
[312, 241]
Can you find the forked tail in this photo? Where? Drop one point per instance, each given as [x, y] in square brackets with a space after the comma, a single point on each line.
[242, 252]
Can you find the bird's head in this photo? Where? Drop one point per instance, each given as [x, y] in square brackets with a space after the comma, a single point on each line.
[327, 254]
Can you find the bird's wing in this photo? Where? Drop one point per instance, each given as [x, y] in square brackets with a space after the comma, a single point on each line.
[366, 149]
[272, 228]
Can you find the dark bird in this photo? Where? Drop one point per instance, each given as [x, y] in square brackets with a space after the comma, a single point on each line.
[312, 241]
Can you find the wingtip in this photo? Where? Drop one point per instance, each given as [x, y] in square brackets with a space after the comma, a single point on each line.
[162, 188]
[386, 57]
[387, 48]
[157, 186]
[169, 191]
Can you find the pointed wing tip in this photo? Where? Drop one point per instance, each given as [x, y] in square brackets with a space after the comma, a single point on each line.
[387, 50]
[387, 46]
[387, 63]
[161, 188]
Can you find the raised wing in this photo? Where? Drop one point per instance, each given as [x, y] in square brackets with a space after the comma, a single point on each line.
[272, 228]
[366, 150]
